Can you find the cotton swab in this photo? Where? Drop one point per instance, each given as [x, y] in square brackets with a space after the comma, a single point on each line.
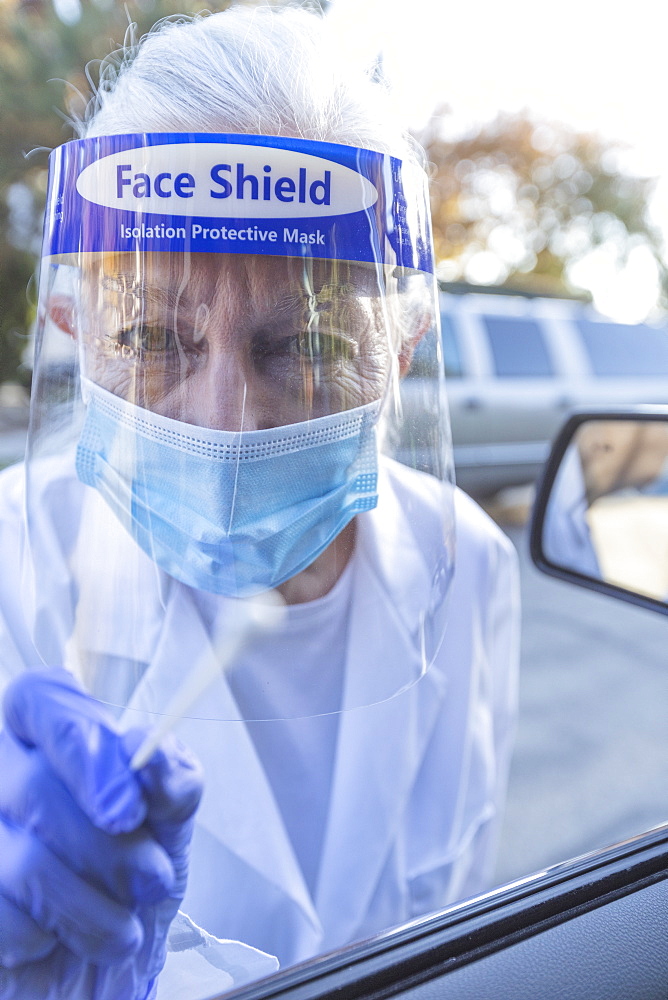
[255, 615]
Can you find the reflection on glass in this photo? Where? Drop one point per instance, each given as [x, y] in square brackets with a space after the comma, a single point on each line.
[607, 516]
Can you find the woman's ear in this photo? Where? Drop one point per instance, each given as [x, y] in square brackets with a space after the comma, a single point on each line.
[60, 309]
[408, 347]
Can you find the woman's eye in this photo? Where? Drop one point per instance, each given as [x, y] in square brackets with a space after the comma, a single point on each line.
[318, 347]
[148, 339]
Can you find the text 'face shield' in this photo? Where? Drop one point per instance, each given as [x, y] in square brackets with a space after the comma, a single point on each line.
[224, 407]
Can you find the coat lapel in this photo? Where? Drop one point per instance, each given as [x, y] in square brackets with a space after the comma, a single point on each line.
[238, 807]
[380, 747]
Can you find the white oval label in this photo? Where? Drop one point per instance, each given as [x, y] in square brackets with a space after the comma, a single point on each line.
[225, 181]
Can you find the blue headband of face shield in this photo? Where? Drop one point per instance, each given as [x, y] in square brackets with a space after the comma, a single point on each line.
[230, 511]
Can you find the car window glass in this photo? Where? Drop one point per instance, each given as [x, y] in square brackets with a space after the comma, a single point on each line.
[518, 347]
[451, 356]
[589, 763]
[623, 349]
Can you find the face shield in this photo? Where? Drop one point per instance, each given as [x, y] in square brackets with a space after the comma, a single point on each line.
[224, 422]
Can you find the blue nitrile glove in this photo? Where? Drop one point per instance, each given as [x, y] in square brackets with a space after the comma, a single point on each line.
[93, 857]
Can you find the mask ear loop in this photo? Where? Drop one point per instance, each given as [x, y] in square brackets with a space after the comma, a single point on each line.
[238, 461]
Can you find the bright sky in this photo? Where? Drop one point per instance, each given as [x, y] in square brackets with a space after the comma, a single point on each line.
[596, 65]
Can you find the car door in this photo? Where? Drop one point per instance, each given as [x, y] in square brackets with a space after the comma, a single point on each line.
[590, 928]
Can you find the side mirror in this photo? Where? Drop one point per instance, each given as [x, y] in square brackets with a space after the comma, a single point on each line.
[600, 519]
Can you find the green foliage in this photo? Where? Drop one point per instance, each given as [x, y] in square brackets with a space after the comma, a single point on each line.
[16, 271]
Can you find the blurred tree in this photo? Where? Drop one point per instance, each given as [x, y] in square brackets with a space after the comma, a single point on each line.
[518, 202]
[50, 52]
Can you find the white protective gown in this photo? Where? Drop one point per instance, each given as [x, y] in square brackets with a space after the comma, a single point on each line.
[417, 782]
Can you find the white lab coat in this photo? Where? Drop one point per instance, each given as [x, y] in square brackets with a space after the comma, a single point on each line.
[418, 781]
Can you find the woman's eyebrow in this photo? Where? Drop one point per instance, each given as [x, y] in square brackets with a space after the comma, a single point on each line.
[293, 303]
[298, 299]
[161, 295]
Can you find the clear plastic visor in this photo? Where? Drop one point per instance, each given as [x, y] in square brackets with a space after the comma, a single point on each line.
[243, 343]
[239, 481]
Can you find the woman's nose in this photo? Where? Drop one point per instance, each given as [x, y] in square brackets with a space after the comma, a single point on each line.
[223, 396]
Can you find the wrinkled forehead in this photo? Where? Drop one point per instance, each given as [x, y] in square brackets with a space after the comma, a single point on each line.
[237, 281]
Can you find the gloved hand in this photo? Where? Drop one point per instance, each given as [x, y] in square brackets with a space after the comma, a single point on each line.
[93, 857]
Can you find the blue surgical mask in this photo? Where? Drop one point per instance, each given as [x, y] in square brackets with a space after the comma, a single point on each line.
[229, 512]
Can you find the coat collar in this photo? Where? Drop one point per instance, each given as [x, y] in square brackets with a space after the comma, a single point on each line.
[372, 780]
[373, 776]
[238, 807]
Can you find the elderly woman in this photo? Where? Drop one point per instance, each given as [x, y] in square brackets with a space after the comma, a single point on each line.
[237, 279]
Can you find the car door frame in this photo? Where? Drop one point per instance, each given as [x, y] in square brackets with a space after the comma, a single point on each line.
[593, 928]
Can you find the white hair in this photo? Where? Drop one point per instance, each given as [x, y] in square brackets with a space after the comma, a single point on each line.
[262, 70]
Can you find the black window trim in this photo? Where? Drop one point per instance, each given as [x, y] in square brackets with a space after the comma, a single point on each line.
[545, 483]
[434, 946]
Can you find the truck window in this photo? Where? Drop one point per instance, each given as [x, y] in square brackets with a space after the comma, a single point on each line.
[623, 349]
[518, 347]
[451, 358]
